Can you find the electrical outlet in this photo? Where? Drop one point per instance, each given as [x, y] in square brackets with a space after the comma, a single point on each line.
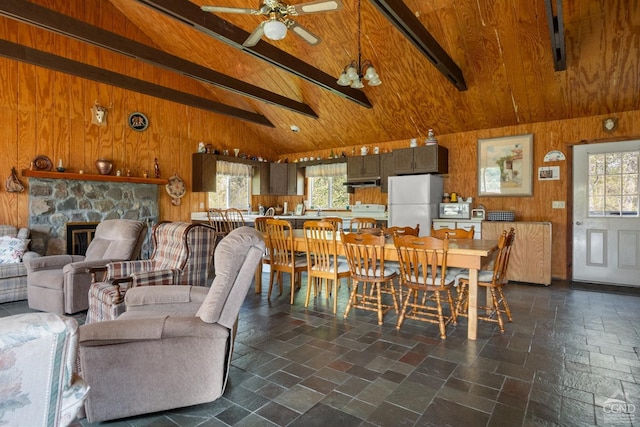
[557, 204]
[201, 205]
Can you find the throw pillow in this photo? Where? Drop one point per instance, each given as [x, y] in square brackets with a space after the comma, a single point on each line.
[12, 249]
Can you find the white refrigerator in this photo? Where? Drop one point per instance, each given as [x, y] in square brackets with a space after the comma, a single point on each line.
[414, 199]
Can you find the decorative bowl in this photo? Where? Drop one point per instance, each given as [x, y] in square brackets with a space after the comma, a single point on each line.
[104, 166]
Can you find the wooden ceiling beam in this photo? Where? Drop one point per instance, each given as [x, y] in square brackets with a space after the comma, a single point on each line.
[556, 32]
[53, 62]
[224, 31]
[405, 21]
[51, 20]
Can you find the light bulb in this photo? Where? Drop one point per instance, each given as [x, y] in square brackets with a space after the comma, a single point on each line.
[371, 74]
[357, 84]
[344, 80]
[352, 73]
[275, 30]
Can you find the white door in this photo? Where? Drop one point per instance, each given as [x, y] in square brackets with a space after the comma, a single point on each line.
[606, 222]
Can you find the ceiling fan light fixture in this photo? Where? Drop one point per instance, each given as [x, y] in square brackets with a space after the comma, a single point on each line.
[275, 30]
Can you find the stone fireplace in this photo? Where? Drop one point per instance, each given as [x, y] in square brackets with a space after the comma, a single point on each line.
[55, 202]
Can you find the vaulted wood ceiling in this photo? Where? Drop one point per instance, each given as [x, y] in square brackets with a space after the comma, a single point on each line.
[502, 48]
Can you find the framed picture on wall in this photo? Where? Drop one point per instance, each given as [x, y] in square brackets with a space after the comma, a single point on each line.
[505, 166]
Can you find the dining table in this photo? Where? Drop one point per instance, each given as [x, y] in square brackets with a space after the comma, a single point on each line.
[472, 254]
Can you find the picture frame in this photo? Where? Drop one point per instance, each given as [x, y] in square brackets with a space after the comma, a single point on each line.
[505, 166]
[299, 209]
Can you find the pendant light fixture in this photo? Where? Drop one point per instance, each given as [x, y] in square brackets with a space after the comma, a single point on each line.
[354, 72]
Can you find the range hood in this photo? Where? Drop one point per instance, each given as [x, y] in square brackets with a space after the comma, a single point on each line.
[362, 182]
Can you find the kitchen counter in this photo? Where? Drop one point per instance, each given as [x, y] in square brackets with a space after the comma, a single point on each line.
[345, 215]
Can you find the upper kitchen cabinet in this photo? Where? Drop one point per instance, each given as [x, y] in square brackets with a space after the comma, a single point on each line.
[386, 170]
[424, 159]
[260, 179]
[363, 166]
[203, 172]
[285, 179]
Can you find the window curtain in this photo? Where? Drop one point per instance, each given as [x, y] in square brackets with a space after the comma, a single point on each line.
[232, 169]
[331, 169]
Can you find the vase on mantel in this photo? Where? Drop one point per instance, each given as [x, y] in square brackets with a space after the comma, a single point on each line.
[104, 166]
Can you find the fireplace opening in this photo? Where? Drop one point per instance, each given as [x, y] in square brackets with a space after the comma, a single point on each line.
[79, 236]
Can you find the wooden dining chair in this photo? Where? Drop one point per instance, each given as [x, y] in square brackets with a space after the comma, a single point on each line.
[323, 264]
[371, 279]
[452, 233]
[282, 257]
[335, 220]
[234, 219]
[260, 224]
[401, 231]
[423, 272]
[493, 280]
[359, 223]
[218, 220]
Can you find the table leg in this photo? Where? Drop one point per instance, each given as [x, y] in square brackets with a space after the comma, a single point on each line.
[259, 278]
[472, 331]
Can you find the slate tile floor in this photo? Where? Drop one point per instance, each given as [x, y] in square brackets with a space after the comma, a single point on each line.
[568, 355]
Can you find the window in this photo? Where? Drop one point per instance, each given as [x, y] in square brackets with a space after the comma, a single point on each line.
[233, 186]
[325, 186]
[613, 184]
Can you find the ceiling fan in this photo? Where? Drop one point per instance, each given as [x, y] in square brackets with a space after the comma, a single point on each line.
[275, 28]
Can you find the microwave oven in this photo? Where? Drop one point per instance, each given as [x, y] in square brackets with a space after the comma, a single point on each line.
[455, 210]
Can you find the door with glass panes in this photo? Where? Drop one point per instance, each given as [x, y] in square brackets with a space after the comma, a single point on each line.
[606, 222]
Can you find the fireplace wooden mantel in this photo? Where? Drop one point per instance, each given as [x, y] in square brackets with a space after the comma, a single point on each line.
[93, 177]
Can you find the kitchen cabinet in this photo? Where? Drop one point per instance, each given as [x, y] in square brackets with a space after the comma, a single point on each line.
[363, 166]
[386, 170]
[260, 179]
[465, 224]
[284, 179]
[530, 259]
[425, 159]
[203, 172]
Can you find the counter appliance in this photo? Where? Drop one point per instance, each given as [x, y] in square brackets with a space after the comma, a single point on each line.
[455, 210]
[414, 199]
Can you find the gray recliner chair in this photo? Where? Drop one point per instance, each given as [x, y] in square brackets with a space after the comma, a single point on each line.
[60, 283]
[174, 342]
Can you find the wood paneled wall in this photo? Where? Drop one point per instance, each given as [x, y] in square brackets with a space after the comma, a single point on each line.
[547, 136]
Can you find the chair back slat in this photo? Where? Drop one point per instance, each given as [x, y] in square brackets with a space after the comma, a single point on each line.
[280, 236]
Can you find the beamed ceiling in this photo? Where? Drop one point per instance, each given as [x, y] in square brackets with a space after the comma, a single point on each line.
[501, 47]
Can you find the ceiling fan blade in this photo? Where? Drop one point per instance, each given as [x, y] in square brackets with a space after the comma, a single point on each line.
[302, 32]
[255, 36]
[315, 7]
[222, 9]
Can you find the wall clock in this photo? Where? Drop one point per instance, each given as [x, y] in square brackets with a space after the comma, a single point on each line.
[138, 121]
[609, 124]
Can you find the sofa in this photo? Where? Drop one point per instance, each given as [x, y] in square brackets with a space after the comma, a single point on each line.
[37, 358]
[13, 273]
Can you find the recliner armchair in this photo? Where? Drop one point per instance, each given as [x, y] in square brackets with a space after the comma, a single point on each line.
[60, 283]
[182, 255]
[163, 327]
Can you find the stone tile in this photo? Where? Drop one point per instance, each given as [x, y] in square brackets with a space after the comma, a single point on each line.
[443, 412]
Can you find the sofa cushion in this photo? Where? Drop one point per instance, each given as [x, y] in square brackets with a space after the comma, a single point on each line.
[12, 249]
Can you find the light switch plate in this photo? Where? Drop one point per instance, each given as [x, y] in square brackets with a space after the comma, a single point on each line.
[557, 204]
[201, 205]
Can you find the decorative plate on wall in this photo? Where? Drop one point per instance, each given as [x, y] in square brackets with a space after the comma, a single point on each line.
[138, 121]
[176, 189]
[42, 163]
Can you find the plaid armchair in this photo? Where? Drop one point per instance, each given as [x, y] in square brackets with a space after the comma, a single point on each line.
[182, 255]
